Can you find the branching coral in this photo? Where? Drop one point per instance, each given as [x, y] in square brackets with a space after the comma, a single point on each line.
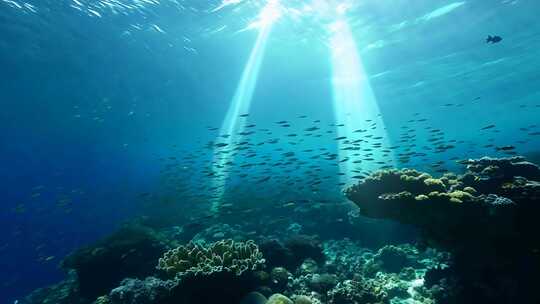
[223, 256]
[351, 292]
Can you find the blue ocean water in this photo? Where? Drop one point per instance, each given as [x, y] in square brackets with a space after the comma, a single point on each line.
[99, 97]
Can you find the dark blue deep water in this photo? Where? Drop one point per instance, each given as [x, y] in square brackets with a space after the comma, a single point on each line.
[113, 108]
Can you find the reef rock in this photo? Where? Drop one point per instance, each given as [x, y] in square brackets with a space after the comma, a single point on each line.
[291, 253]
[129, 252]
[353, 292]
[393, 258]
[148, 291]
[254, 298]
[65, 292]
[487, 217]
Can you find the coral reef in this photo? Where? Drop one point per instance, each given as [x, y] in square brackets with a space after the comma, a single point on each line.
[254, 298]
[65, 292]
[350, 273]
[279, 278]
[209, 273]
[129, 252]
[352, 292]
[279, 299]
[362, 268]
[291, 253]
[486, 217]
[322, 283]
[147, 291]
[301, 299]
[393, 258]
[222, 256]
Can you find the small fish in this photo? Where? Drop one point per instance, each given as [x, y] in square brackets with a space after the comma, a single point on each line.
[505, 148]
[488, 127]
[493, 39]
[264, 179]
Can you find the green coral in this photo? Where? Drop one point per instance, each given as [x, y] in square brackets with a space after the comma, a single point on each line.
[407, 194]
[353, 292]
[223, 256]
[102, 300]
[278, 298]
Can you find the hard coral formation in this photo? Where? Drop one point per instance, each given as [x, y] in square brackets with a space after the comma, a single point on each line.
[223, 256]
[487, 217]
[353, 292]
[148, 291]
[446, 210]
[393, 258]
[222, 271]
[254, 298]
[293, 252]
[279, 299]
[322, 283]
[65, 292]
[279, 277]
[345, 269]
[129, 252]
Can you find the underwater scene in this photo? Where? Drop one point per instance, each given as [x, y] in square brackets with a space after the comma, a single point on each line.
[269, 151]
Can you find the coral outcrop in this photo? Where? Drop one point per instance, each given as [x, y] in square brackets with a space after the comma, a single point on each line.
[211, 273]
[65, 292]
[393, 258]
[352, 292]
[487, 217]
[291, 253]
[223, 256]
[148, 291]
[129, 252]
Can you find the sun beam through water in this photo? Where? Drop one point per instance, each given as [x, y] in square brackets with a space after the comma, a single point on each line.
[355, 105]
[234, 123]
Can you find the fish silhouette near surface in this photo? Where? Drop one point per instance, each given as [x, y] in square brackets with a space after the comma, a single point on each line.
[493, 39]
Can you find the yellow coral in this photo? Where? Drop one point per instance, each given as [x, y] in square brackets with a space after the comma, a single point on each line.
[452, 182]
[461, 195]
[421, 197]
[433, 182]
[102, 300]
[470, 190]
[424, 176]
[455, 200]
